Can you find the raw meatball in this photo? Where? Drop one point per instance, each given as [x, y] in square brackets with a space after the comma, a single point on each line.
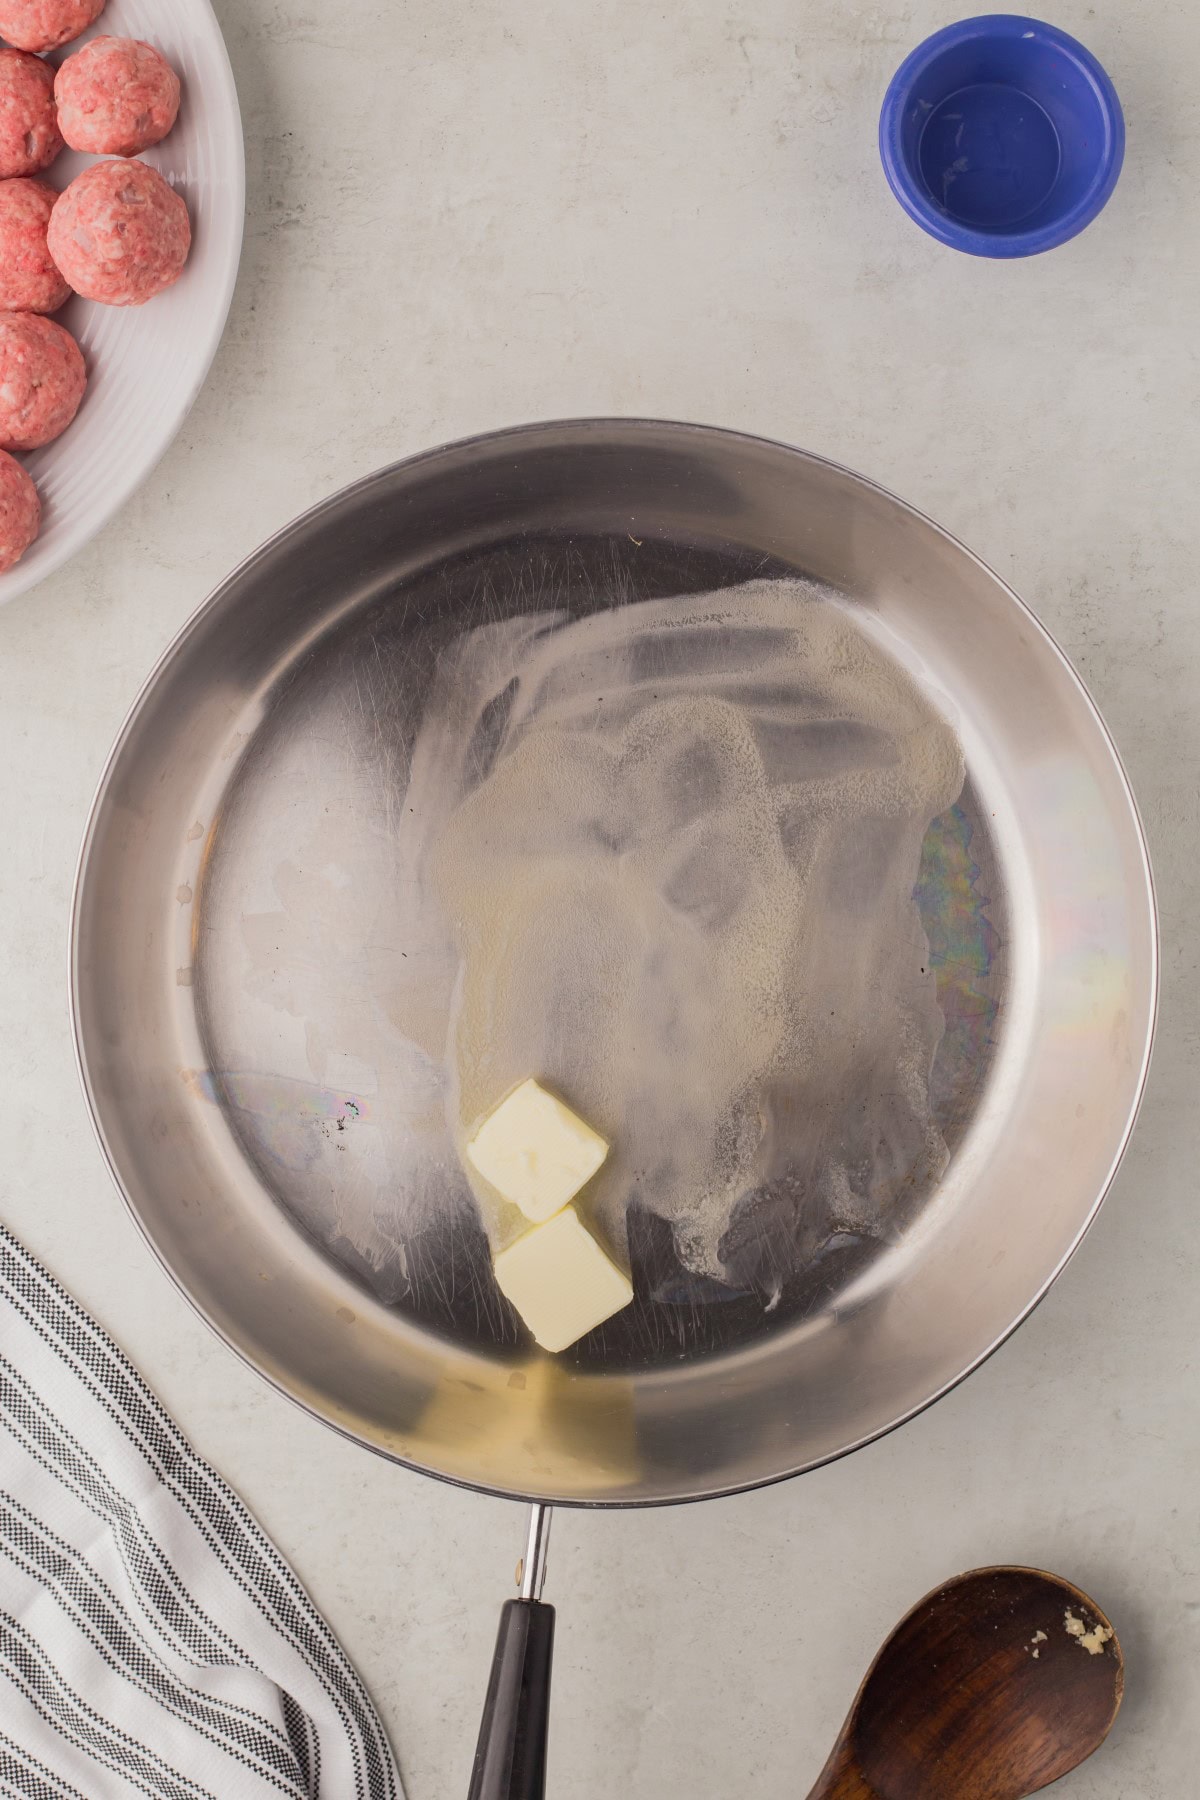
[20, 511]
[42, 379]
[29, 134]
[45, 24]
[119, 233]
[115, 97]
[29, 281]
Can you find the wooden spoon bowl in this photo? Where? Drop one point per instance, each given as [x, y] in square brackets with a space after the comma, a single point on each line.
[991, 1688]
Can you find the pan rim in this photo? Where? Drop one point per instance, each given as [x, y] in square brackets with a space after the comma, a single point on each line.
[311, 517]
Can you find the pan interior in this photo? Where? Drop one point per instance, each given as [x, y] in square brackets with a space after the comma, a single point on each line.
[299, 956]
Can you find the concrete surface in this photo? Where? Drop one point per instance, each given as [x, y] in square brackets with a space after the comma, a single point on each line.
[462, 217]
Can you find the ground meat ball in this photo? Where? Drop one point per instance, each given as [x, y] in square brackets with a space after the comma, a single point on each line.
[45, 24]
[119, 233]
[115, 97]
[42, 378]
[29, 281]
[20, 511]
[29, 134]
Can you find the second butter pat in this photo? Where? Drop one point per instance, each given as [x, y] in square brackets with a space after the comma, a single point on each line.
[561, 1282]
[535, 1151]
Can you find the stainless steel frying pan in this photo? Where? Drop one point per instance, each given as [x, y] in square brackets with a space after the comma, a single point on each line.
[248, 1104]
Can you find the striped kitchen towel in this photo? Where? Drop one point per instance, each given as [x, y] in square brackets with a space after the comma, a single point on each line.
[152, 1639]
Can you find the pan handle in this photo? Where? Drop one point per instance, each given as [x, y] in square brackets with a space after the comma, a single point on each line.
[510, 1757]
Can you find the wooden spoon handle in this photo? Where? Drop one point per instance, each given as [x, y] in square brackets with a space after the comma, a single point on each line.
[842, 1778]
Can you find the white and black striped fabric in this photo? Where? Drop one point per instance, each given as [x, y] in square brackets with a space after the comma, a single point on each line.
[152, 1639]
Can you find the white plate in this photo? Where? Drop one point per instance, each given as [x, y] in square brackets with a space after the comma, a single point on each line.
[146, 364]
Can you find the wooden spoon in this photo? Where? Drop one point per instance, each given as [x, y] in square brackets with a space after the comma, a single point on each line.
[993, 1687]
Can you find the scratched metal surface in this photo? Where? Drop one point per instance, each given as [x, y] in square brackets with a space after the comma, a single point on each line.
[249, 1104]
[302, 862]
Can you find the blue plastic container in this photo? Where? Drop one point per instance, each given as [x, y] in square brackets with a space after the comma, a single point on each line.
[1001, 136]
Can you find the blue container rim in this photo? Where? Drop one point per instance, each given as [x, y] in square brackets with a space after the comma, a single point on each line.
[919, 204]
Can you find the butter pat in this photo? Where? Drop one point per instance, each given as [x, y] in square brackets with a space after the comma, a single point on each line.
[561, 1282]
[536, 1152]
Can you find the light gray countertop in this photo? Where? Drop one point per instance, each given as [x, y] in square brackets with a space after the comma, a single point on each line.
[464, 217]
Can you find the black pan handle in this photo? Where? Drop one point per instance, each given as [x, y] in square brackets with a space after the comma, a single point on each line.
[510, 1757]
